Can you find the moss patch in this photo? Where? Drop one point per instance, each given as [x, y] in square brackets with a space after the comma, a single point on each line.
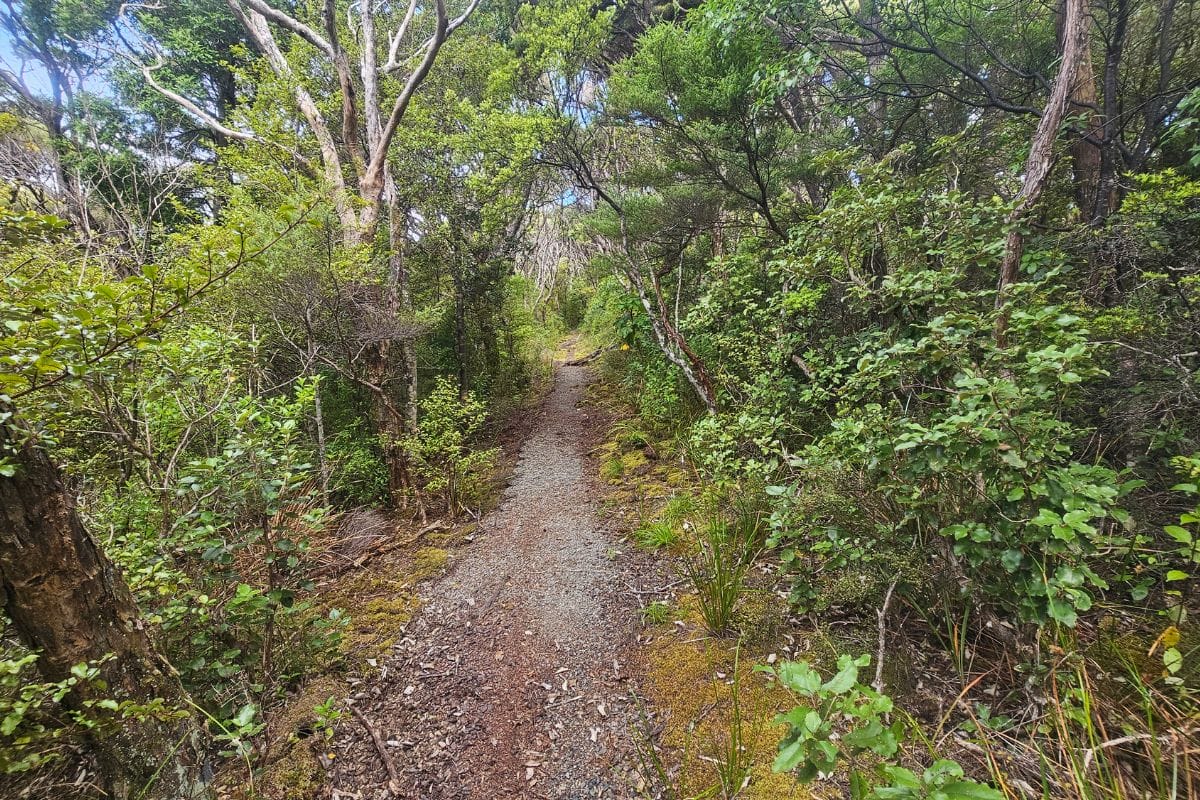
[294, 772]
[691, 683]
[428, 562]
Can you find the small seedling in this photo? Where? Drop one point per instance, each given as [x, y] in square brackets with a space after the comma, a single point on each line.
[656, 613]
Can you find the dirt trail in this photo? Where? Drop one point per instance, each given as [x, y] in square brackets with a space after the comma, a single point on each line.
[512, 681]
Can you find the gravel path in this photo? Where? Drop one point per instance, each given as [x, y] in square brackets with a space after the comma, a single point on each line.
[512, 681]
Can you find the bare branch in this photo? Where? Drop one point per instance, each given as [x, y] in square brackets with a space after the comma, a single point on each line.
[292, 24]
[193, 110]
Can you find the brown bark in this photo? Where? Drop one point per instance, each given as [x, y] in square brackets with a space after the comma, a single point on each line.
[68, 602]
[1107, 194]
[1089, 126]
[1040, 162]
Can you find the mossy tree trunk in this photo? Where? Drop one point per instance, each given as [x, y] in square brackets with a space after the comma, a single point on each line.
[68, 602]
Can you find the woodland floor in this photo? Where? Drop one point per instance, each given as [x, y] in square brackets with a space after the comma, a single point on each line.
[514, 680]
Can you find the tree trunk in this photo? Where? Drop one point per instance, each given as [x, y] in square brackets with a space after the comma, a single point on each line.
[670, 341]
[68, 602]
[1089, 129]
[1041, 151]
[1107, 193]
[398, 273]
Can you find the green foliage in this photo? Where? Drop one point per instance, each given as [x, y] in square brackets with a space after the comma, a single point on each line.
[943, 434]
[726, 547]
[359, 476]
[35, 724]
[1185, 554]
[440, 453]
[242, 618]
[843, 721]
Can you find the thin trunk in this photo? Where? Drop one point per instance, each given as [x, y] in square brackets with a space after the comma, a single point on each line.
[1040, 162]
[671, 342]
[398, 272]
[1107, 195]
[68, 602]
[341, 65]
[322, 449]
[260, 32]
[1084, 106]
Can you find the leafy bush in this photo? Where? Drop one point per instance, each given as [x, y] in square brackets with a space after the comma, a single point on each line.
[440, 454]
[358, 475]
[34, 721]
[843, 721]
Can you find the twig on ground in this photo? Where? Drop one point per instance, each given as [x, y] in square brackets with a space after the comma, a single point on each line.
[381, 748]
[590, 357]
[1090, 753]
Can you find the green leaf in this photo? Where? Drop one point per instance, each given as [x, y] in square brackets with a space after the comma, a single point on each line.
[1011, 560]
[1011, 458]
[970, 790]
[245, 715]
[845, 679]
[1062, 611]
[1181, 535]
[790, 756]
[799, 677]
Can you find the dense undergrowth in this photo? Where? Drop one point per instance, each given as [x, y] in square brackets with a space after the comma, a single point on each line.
[950, 438]
[901, 298]
[233, 485]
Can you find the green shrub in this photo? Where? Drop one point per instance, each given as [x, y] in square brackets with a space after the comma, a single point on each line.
[440, 452]
[841, 720]
[357, 472]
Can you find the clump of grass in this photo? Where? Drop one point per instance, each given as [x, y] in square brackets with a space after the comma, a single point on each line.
[679, 509]
[656, 613]
[733, 756]
[655, 535]
[628, 436]
[726, 548]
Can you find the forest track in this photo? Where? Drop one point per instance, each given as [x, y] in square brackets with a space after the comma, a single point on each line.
[512, 682]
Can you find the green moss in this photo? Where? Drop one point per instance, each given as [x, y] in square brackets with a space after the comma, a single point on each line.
[760, 616]
[429, 561]
[690, 683]
[612, 469]
[633, 461]
[656, 613]
[295, 773]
